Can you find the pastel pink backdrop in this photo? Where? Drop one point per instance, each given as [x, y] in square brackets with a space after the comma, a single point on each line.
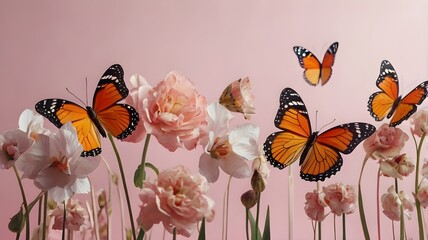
[46, 46]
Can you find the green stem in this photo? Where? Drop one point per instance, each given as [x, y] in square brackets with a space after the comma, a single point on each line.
[378, 204]
[319, 230]
[334, 226]
[45, 213]
[247, 216]
[360, 202]
[401, 212]
[24, 201]
[418, 204]
[343, 226]
[174, 234]
[125, 188]
[63, 223]
[257, 215]
[143, 157]
[226, 210]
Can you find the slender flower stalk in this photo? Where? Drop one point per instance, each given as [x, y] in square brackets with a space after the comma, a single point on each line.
[344, 226]
[24, 201]
[125, 188]
[319, 222]
[94, 213]
[257, 215]
[63, 222]
[290, 203]
[378, 204]
[45, 213]
[144, 155]
[334, 227]
[174, 234]
[247, 217]
[360, 201]
[418, 204]
[226, 210]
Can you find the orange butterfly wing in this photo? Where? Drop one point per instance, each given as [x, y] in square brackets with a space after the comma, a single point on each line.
[60, 111]
[314, 70]
[118, 119]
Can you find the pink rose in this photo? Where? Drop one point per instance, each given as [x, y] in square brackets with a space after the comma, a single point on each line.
[386, 142]
[177, 199]
[422, 194]
[391, 203]
[419, 123]
[76, 218]
[238, 98]
[174, 112]
[314, 208]
[340, 198]
[397, 167]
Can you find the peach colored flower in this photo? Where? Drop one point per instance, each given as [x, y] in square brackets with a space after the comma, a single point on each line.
[391, 203]
[386, 142]
[314, 208]
[419, 123]
[55, 164]
[137, 95]
[422, 194]
[177, 199]
[340, 198]
[238, 98]
[174, 112]
[76, 218]
[398, 167]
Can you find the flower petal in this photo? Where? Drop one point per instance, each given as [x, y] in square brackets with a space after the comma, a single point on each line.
[209, 167]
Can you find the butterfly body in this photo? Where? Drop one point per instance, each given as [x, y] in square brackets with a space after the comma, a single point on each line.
[314, 69]
[319, 153]
[105, 115]
[387, 103]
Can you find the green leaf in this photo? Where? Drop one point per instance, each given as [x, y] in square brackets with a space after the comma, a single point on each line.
[17, 222]
[202, 231]
[266, 231]
[139, 176]
[255, 231]
[141, 234]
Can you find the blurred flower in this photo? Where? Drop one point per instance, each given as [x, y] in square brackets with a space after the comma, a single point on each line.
[76, 219]
[398, 167]
[137, 97]
[55, 164]
[419, 123]
[261, 165]
[422, 194]
[391, 203]
[386, 142]
[173, 111]
[340, 198]
[177, 199]
[13, 143]
[230, 152]
[314, 208]
[425, 168]
[238, 98]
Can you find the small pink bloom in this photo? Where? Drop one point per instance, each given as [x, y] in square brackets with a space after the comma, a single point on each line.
[137, 96]
[174, 112]
[340, 198]
[314, 208]
[425, 168]
[419, 123]
[398, 167]
[55, 164]
[76, 219]
[177, 199]
[13, 143]
[391, 203]
[238, 98]
[386, 142]
[422, 194]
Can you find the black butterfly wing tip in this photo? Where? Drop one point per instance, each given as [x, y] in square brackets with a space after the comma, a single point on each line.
[92, 153]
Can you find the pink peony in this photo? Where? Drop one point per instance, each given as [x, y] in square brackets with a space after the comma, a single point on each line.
[238, 98]
[76, 218]
[174, 112]
[340, 198]
[391, 203]
[398, 167]
[386, 142]
[419, 123]
[177, 199]
[136, 97]
[55, 164]
[422, 194]
[314, 208]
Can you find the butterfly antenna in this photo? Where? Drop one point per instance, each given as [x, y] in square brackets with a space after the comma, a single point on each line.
[75, 96]
[316, 119]
[86, 88]
[325, 125]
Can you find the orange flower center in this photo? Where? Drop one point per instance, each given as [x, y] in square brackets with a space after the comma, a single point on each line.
[220, 150]
[60, 164]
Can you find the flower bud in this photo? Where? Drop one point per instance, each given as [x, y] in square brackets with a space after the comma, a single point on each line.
[249, 199]
[17, 222]
[257, 182]
[102, 198]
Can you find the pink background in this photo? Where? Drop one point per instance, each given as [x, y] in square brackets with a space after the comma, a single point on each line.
[48, 46]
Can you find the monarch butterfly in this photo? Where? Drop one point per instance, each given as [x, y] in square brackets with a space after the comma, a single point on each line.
[387, 102]
[319, 152]
[314, 70]
[118, 120]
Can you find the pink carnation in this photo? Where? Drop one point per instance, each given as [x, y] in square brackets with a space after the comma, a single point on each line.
[386, 142]
[398, 167]
[314, 208]
[419, 123]
[422, 194]
[391, 203]
[174, 112]
[340, 198]
[177, 199]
